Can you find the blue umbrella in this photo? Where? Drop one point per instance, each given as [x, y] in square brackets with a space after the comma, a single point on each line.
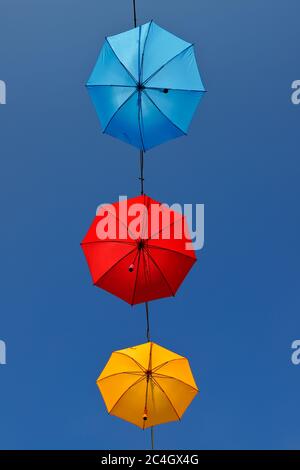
[145, 86]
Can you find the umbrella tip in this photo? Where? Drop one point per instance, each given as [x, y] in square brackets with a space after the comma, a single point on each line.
[131, 268]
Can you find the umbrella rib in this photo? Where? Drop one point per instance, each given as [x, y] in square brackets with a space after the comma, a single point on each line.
[135, 281]
[119, 86]
[140, 119]
[167, 63]
[120, 373]
[122, 396]
[129, 73]
[160, 387]
[121, 106]
[167, 362]
[124, 242]
[146, 274]
[143, 53]
[163, 114]
[134, 360]
[113, 266]
[172, 251]
[162, 274]
[123, 223]
[166, 226]
[119, 220]
[169, 88]
[179, 380]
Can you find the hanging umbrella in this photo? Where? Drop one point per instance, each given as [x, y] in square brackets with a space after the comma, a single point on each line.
[147, 385]
[145, 86]
[138, 257]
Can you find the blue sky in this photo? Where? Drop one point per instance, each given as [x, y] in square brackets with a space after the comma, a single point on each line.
[237, 313]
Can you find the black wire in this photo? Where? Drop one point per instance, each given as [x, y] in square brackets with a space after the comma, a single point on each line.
[148, 324]
[134, 14]
[142, 170]
[142, 192]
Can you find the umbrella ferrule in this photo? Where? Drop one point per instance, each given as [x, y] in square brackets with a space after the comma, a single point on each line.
[131, 268]
[145, 415]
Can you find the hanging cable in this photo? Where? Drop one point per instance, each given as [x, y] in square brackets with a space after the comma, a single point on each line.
[134, 14]
[142, 170]
[141, 151]
[148, 325]
[142, 192]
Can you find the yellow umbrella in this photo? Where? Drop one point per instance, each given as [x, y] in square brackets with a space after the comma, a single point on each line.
[147, 385]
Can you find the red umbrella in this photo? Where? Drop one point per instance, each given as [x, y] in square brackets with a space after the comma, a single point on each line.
[138, 249]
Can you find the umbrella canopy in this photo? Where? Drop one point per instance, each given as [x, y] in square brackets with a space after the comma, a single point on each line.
[145, 86]
[138, 249]
[147, 385]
